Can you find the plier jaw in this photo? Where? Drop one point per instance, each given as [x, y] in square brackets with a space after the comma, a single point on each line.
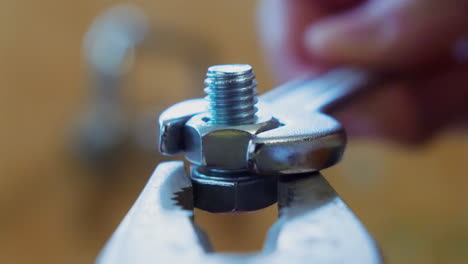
[314, 226]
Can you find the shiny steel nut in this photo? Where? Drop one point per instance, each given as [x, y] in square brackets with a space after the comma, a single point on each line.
[222, 147]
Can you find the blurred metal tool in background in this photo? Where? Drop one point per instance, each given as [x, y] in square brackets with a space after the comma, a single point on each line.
[111, 45]
[280, 162]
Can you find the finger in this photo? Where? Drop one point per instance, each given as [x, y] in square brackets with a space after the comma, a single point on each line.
[441, 100]
[389, 33]
[410, 111]
[388, 114]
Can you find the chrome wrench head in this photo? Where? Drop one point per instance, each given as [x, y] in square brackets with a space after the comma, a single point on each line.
[303, 139]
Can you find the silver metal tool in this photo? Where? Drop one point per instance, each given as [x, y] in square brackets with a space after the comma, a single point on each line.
[237, 153]
[315, 226]
[283, 158]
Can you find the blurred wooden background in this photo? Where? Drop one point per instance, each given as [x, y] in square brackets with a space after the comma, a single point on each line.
[55, 210]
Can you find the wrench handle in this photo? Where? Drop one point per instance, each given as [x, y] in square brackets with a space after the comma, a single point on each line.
[327, 93]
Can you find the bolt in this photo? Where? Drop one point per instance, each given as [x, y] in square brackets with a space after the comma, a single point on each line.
[221, 180]
[231, 94]
[230, 120]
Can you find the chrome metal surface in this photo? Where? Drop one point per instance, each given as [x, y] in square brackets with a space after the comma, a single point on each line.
[305, 143]
[172, 125]
[156, 229]
[310, 139]
[325, 93]
[315, 226]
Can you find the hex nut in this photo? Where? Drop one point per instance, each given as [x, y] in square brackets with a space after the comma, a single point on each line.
[222, 147]
[234, 192]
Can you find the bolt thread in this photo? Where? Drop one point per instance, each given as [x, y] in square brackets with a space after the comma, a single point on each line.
[231, 94]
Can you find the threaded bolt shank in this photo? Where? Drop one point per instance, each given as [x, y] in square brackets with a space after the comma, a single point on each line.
[231, 94]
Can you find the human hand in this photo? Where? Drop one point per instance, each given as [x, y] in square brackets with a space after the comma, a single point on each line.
[421, 38]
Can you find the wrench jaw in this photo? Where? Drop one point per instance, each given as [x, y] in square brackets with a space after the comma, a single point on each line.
[301, 145]
[172, 124]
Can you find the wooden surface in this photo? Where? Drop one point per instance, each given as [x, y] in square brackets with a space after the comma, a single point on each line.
[55, 210]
